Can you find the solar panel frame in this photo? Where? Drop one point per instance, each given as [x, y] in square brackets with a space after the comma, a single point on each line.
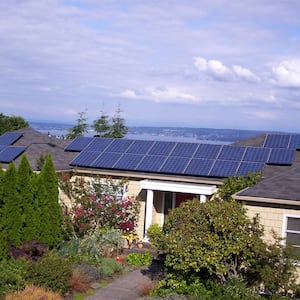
[106, 160]
[277, 141]
[281, 157]
[162, 148]
[224, 168]
[128, 161]
[9, 138]
[209, 151]
[98, 144]
[199, 167]
[175, 165]
[78, 144]
[294, 142]
[247, 167]
[184, 149]
[256, 154]
[10, 153]
[231, 152]
[151, 163]
[85, 158]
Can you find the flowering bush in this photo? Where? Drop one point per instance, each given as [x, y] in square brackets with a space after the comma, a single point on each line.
[101, 204]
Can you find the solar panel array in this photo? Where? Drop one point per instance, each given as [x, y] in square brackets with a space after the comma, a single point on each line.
[283, 141]
[7, 152]
[209, 160]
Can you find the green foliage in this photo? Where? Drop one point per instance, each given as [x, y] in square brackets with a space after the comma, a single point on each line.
[80, 128]
[11, 123]
[51, 272]
[156, 236]
[13, 275]
[110, 266]
[102, 126]
[233, 185]
[140, 259]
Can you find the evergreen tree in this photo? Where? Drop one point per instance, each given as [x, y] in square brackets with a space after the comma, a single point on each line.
[30, 212]
[118, 128]
[101, 125]
[3, 240]
[80, 128]
[50, 209]
[11, 123]
[12, 209]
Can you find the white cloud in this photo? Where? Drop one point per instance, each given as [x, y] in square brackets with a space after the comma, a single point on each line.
[129, 94]
[265, 115]
[287, 73]
[214, 68]
[245, 73]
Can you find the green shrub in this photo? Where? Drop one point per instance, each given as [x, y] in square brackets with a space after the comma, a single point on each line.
[155, 235]
[139, 259]
[51, 272]
[110, 266]
[13, 274]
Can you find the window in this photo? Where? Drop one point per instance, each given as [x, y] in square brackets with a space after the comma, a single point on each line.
[291, 230]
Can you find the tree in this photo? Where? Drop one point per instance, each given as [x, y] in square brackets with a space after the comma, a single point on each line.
[101, 125]
[47, 200]
[11, 123]
[80, 128]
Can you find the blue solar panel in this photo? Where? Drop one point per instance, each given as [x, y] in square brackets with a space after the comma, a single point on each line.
[151, 163]
[231, 153]
[281, 157]
[200, 167]
[9, 153]
[140, 147]
[119, 145]
[128, 161]
[106, 160]
[249, 167]
[295, 142]
[8, 138]
[85, 158]
[98, 144]
[162, 148]
[78, 144]
[224, 168]
[184, 149]
[209, 151]
[175, 165]
[277, 141]
[256, 154]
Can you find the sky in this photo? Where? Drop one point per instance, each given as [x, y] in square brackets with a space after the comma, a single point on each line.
[184, 63]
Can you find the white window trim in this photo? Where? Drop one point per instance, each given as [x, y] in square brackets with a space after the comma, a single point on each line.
[284, 227]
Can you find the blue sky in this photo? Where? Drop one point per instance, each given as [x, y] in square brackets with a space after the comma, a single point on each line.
[209, 63]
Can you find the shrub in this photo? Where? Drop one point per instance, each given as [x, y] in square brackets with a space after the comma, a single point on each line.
[13, 275]
[155, 235]
[139, 259]
[32, 292]
[110, 266]
[51, 272]
[80, 281]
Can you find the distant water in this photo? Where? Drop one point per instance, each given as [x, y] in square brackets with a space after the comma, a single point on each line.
[178, 134]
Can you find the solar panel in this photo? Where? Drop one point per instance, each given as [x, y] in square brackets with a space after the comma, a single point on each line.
[231, 153]
[184, 149]
[209, 151]
[8, 138]
[175, 165]
[256, 154]
[281, 157]
[140, 147]
[162, 148]
[106, 160]
[224, 168]
[200, 167]
[151, 163]
[119, 145]
[128, 161]
[295, 142]
[78, 144]
[85, 158]
[249, 167]
[98, 144]
[9, 153]
[277, 141]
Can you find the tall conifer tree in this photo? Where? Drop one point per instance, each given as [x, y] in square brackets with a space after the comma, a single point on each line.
[50, 209]
[30, 211]
[3, 240]
[12, 209]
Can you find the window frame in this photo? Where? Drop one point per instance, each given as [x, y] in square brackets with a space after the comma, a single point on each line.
[285, 230]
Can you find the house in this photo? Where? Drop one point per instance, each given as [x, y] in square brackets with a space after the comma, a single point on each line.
[163, 174]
